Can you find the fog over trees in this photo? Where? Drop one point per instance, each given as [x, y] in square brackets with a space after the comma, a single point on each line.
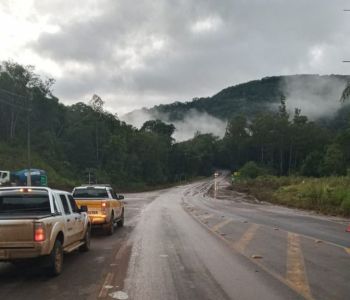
[67, 141]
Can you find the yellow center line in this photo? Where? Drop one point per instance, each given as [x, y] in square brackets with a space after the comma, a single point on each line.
[240, 246]
[296, 272]
[347, 250]
[246, 238]
[221, 224]
[107, 282]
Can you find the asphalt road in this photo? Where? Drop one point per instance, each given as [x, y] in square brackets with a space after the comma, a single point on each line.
[200, 241]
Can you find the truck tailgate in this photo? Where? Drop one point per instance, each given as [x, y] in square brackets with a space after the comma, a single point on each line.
[16, 233]
[94, 206]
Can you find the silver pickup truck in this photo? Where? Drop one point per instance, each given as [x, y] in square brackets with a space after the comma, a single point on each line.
[41, 223]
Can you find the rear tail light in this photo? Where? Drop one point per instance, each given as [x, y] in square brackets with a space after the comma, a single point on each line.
[104, 207]
[39, 232]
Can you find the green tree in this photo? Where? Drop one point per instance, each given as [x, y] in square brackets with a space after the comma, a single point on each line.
[311, 166]
[334, 162]
[251, 170]
[160, 128]
[236, 138]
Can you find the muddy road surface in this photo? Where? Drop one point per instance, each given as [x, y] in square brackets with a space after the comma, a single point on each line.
[200, 241]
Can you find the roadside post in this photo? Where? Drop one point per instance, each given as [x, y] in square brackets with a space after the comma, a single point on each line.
[235, 177]
[91, 175]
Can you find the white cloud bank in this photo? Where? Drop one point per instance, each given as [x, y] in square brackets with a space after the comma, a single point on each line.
[316, 98]
[139, 53]
[192, 123]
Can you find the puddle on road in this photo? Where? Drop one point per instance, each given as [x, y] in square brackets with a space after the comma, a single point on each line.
[119, 295]
[99, 259]
[108, 287]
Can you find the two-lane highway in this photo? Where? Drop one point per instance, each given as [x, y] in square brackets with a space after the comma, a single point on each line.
[201, 241]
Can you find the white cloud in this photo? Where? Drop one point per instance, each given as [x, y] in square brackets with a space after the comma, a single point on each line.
[151, 51]
[316, 98]
[192, 123]
[20, 25]
[206, 25]
[316, 54]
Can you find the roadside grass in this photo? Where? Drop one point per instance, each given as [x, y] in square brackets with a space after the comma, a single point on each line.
[329, 195]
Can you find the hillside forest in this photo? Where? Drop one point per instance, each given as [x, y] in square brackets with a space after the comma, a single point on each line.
[69, 141]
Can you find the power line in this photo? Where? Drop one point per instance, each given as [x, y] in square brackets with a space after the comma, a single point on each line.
[13, 104]
[13, 94]
[7, 97]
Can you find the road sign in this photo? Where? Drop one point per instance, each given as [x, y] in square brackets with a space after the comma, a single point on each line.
[43, 180]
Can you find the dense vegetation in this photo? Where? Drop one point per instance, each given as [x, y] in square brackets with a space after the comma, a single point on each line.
[250, 98]
[285, 145]
[329, 195]
[70, 141]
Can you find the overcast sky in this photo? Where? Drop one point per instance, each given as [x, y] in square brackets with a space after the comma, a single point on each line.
[141, 53]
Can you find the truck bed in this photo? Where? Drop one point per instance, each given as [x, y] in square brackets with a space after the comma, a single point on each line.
[26, 217]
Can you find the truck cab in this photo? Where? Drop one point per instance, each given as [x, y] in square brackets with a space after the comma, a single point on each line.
[4, 177]
[19, 178]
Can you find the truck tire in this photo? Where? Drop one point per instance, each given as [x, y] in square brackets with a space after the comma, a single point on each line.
[120, 223]
[87, 239]
[55, 259]
[110, 226]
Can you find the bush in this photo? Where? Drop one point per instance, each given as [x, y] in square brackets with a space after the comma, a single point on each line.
[345, 206]
[334, 162]
[329, 195]
[251, 170]
[312, 165]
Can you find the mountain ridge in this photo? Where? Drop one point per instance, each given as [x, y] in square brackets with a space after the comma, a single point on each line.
[252, 97]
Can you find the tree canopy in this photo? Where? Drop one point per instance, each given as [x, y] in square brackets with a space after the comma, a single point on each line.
[70, 141]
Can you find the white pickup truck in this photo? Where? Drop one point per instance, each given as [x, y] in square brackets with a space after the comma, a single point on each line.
[41, 223]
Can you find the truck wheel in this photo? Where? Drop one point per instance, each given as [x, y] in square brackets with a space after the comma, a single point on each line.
[87, 239]
[56, 259]
[110, 226]
[120, 223]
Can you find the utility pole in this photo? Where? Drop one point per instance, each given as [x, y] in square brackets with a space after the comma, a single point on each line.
[29, 176]
[26, 107]
[346, 61]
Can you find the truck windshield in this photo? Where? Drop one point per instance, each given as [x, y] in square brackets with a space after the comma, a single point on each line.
[24, 204]
[90, 193]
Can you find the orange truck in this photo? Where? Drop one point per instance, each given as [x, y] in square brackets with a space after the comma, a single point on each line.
[105, 207]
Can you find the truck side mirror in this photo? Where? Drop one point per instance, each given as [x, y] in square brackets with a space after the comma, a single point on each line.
[120, 197]
[83, 208]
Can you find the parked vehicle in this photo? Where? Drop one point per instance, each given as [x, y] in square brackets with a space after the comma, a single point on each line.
[105, 207]
[41, 223]
[19, 178]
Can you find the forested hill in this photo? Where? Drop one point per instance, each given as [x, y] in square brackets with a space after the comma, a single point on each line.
[71, 141]
[256, 96]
